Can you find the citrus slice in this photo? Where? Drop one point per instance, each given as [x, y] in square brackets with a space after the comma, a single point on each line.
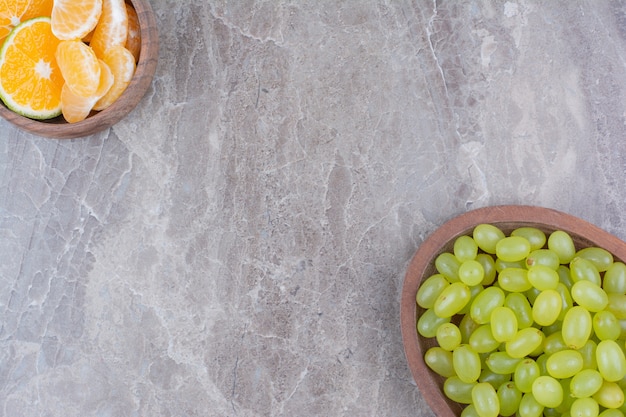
[76, 108]
[112, 28]
[14, 12]
[122, 64]
[30, 80]
[72, 19]
[79, 67]
[133, 42]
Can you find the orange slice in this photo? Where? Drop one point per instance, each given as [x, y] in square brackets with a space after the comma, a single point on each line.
[30, 80]
[133, 42]
[122, 64]
[74, 19]
[76, 108]
[14, 12]
[112, 29]
[79, 67]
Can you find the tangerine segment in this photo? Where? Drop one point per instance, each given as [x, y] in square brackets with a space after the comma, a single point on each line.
[73, 19]
[14, 12]
[112, 29]
[133, 42]
[79, 67]
[122, 64]
[30, 80]
[77, 108]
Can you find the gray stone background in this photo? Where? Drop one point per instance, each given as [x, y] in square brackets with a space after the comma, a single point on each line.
[236, 246]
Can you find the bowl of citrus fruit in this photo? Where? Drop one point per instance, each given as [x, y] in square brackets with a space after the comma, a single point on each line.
[71, 68]
[517, 310]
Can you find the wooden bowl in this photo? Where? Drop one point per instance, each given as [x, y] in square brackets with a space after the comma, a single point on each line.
[58, 128]
[507, 218]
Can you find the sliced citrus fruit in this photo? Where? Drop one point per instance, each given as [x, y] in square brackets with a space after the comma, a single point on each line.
[72, 19]
[30, 80]
[133, 42]
[76, 108]
[122, 64]
[14, 12]
[112, 28]
[79, 67]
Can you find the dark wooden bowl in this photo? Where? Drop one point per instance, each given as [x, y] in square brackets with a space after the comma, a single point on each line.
[421, 267]
[58, 128]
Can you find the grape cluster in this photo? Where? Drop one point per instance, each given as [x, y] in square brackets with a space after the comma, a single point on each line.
[527, 325]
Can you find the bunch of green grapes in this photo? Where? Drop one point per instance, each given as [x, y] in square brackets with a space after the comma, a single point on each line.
[527, 325]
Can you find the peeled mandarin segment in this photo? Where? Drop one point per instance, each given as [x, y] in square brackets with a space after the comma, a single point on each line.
[14, 12]
[133, 42]
[30, 80]
[76, 108]
[112, 28]
[73, 19]
[122, 64]
[79, 67]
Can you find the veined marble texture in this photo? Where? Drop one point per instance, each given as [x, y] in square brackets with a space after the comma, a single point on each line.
[236, 246]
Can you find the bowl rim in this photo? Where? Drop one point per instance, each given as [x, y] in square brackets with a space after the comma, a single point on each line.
[58, 128]
[507, 217]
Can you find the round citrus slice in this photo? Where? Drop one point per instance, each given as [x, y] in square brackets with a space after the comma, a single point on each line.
[133, 42]
[112, 28]
[73, 19]
[122, 64]
[79, 66]
[76, 108]
[30, 80]
[14, 12]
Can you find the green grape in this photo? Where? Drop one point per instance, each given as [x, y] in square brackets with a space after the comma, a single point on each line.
[582, 269]
[554, 343]
[622, 325]
[448, 266]
[566, 300]
[467, 326]
[589, 295]
[485, 400]
[564, 364]
[601, 258]
[588, 351]
[509, 397]
[440, 361]
[466, 363]
[457, 390]
[428, 323]
[469, 411]
[448, 336]
[541, 362]
[513, 248]
[502, 265]
[529, 407]
[610, 395]
[471, 272]
[547, 391]
[430, 290]
[489, 268]
[465, 248]
[606, 326]
[452, 299]
[535, 237]
[482, 340]
[495, 379]
[502, 362]
[485, 303]
[544, 257]
[521, 307]
[525, 342]
[532, 294]
[487, 236]
[474, 291]
[585, 383]
[611, 360]
[565, 276]
[611, 413]
[585, 407]
[551, 412]
[562, 244]
[514, 280]
[577, 326]
[567, 396]
[525, 374]
[615, 278]
[552, 328]
[503, 324]
[617, 305]
[543, 277]
[547, 307]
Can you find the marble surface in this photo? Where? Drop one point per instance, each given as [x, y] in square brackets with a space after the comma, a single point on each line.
[236, 246]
